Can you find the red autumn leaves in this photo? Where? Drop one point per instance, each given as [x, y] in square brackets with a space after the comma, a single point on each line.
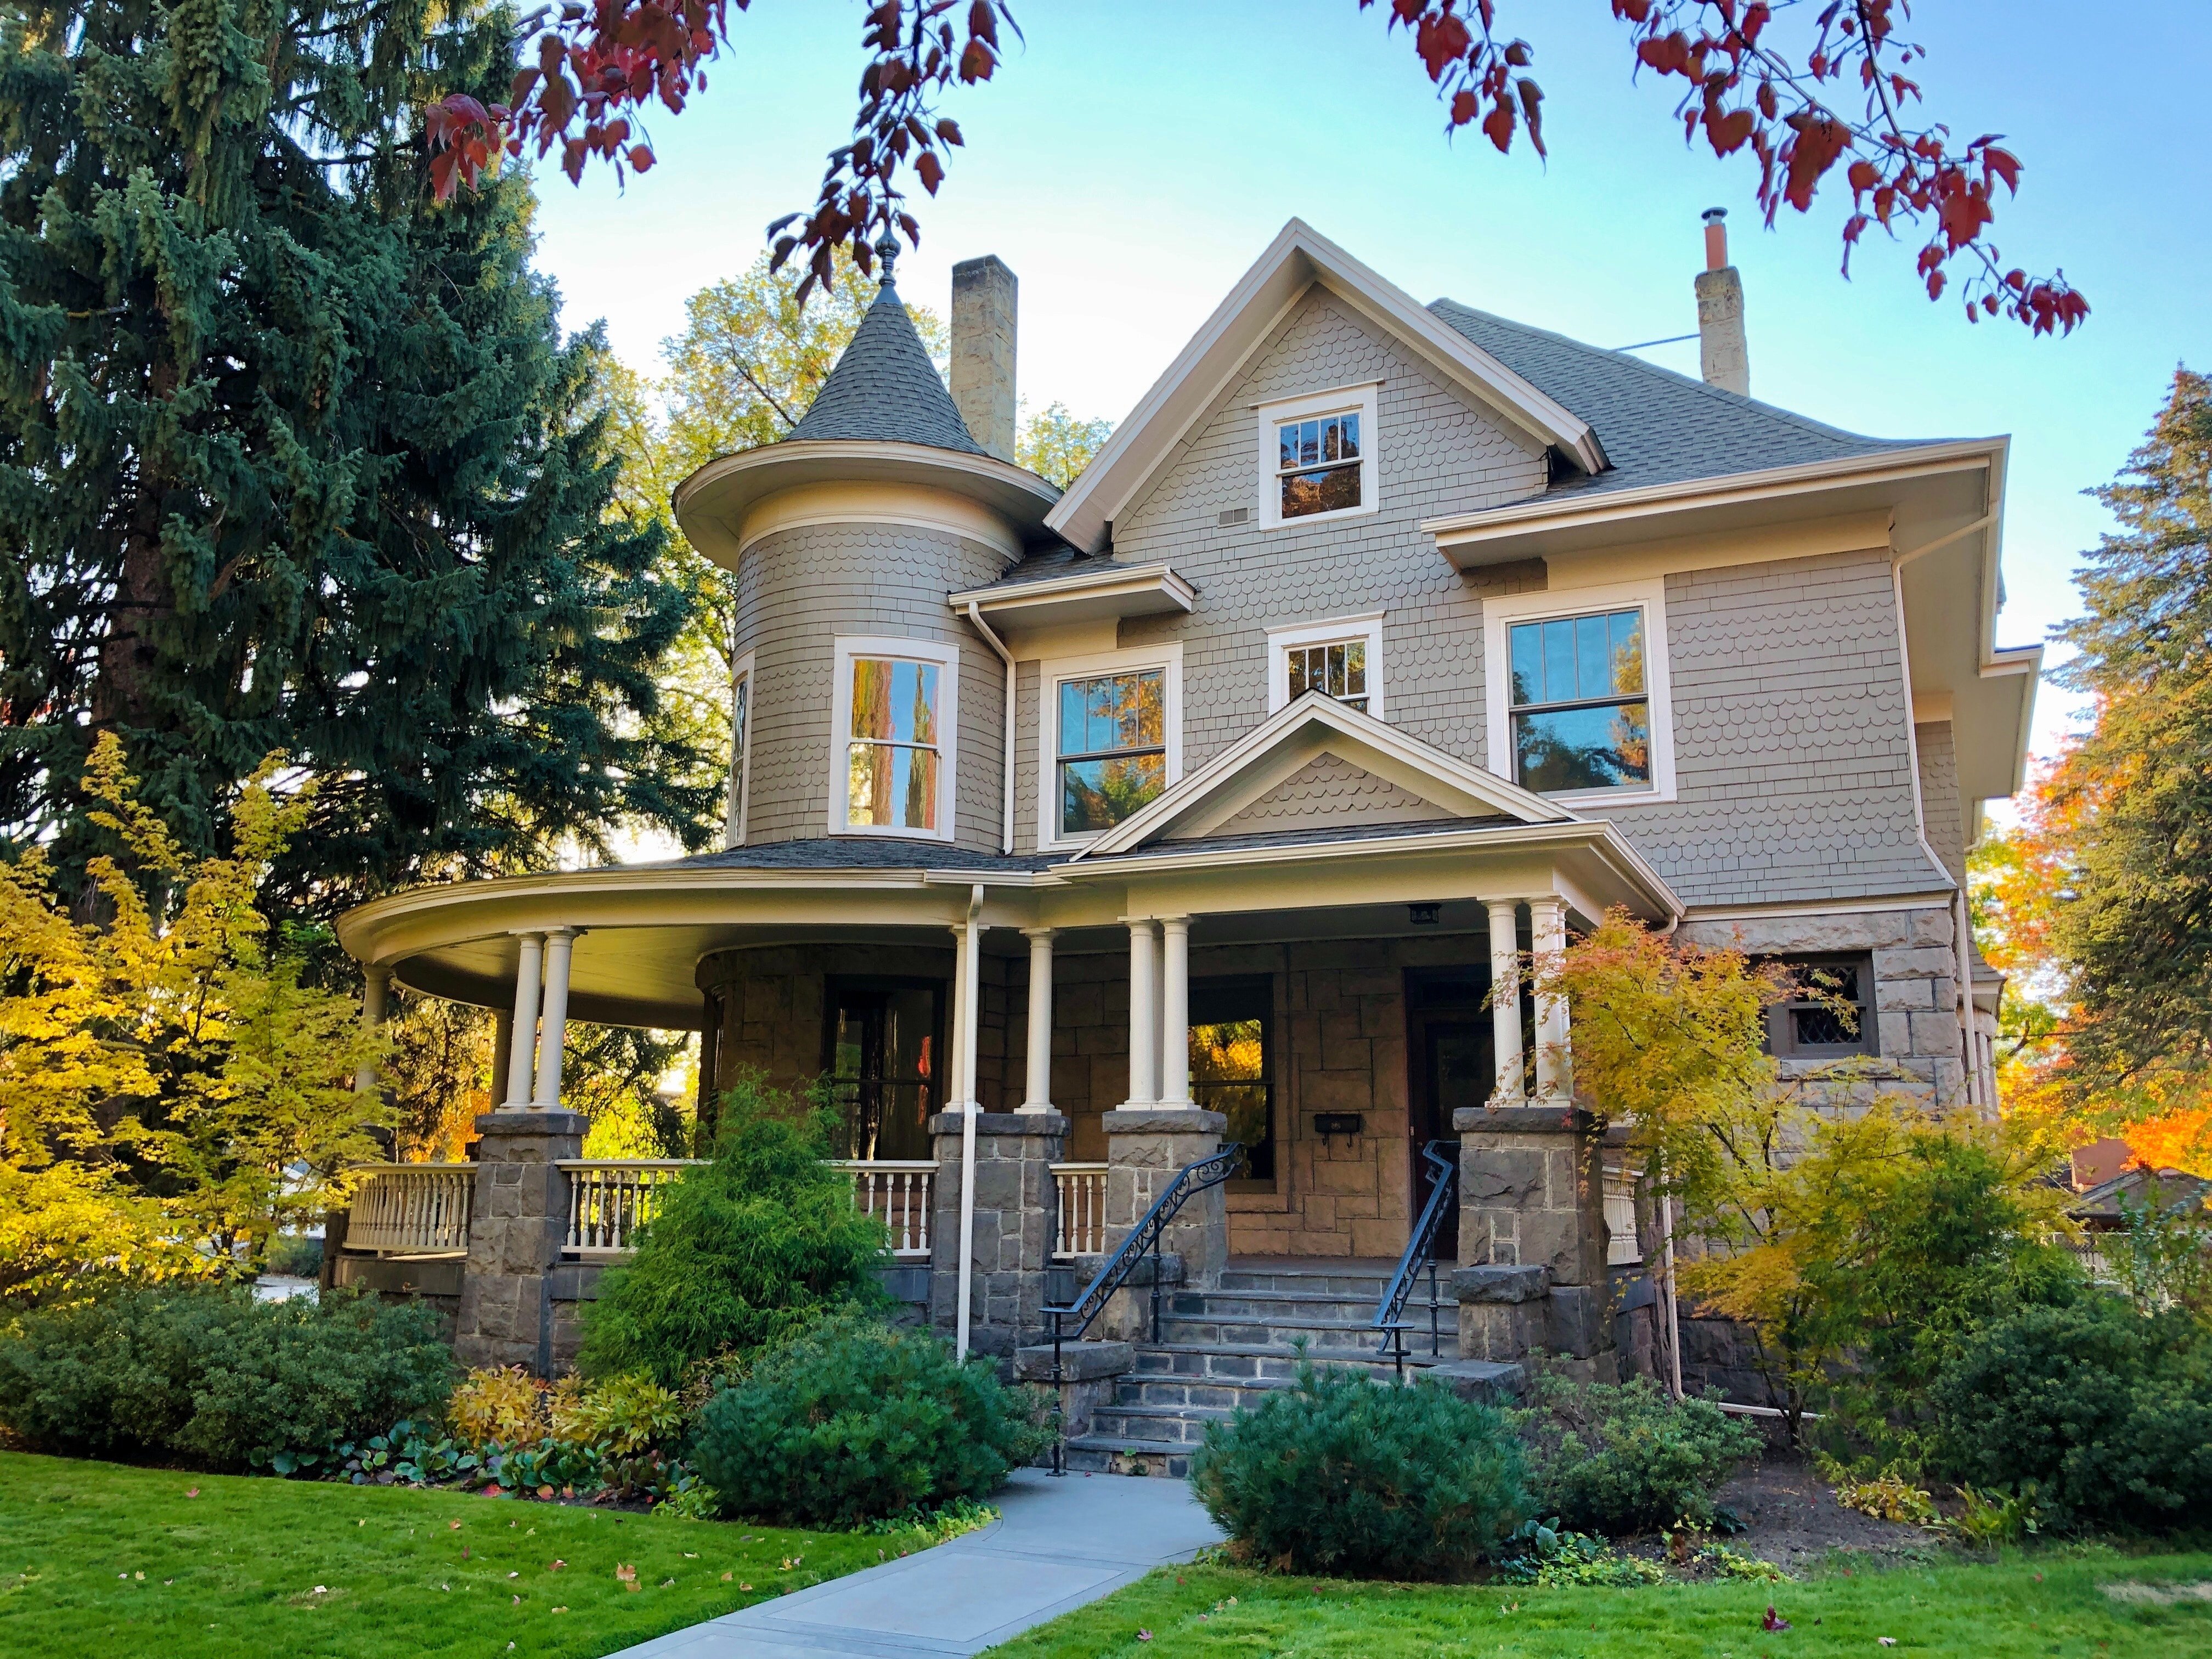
[597, 68]
[1744, 88]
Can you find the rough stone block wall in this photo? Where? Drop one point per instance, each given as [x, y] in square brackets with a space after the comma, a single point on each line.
[1014, 1212]
[1916, 975]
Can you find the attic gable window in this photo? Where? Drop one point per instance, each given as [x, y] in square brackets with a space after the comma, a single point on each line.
[1317, 456]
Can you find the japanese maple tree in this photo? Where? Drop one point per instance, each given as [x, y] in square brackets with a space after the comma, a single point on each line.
[1801, 88]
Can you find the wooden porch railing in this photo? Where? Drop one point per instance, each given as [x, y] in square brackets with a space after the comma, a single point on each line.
[610, 1199]
[901, 1191]
[1082, 1229]
[412, 1209]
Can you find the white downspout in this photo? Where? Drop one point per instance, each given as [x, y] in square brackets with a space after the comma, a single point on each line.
[967, 997]
[1007, 747]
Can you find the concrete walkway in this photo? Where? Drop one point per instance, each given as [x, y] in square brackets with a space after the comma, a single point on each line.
[1058, 1545]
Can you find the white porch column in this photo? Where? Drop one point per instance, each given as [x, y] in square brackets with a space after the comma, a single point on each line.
[1175, 1011]
[522, 1048]
[1144, 1009]
[375, 999]
[1505, 1010]
[560, 942]
[968, 990]
[1037, 1097]
[1547, 938]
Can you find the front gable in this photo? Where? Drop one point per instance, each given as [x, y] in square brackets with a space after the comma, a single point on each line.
[1298, 262]
[1320, 765]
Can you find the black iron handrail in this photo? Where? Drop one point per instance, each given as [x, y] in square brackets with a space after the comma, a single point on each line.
[1143, 1239]
[1420, 1251]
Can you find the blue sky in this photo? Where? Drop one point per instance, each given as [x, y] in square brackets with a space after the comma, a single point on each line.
[1134, 158]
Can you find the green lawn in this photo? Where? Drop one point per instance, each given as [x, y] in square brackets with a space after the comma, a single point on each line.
[98, 1559]
[2047, 1603]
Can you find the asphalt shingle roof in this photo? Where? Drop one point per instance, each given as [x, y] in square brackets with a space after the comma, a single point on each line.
[885, 389]
[856, 853]
[1657, 427]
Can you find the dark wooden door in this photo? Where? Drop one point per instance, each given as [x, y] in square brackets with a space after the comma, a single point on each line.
[1448, 1057]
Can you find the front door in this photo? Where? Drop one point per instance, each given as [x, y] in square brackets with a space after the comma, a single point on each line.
[884, 1042]
[1448, 1049]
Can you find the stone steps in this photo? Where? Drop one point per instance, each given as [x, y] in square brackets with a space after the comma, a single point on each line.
[1231, 1345]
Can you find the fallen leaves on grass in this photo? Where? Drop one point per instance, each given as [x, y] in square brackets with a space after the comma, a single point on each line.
[627, 1574]
[1773, 1621]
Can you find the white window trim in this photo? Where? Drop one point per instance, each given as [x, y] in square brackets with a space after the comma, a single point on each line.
[1281, 641]
[1337, 400]
[947, 658]
[741, 763]
[1499, 614]
[1166, 657]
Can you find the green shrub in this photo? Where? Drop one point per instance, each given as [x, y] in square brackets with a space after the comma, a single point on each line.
[1341, 1474]
[747, 1250]
[855, 1421]
[296, 1255]
[216, 1378]
[2100, 1414]
[1628, 1459]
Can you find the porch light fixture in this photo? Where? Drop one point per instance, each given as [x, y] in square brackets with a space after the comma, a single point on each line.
[1425, 915]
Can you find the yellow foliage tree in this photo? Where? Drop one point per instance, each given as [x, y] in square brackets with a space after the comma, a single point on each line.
[172, 1092]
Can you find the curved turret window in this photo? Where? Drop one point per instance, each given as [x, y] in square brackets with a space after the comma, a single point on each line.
[893, 767]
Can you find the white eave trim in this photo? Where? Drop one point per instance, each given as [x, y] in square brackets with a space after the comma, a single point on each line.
[1299, 257]
[1133, 590]
[1579, 510]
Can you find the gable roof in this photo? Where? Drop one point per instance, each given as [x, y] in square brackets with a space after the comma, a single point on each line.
[1288, 742]
[885, 389]
[1658, 427]
[1298, 258]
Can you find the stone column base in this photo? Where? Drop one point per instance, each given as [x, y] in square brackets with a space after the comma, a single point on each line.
[518, 1220]
[1017, 1210]
[1532, 1236]
[1145, 1149]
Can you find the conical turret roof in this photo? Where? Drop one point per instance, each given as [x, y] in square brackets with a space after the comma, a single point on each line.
[885, 389]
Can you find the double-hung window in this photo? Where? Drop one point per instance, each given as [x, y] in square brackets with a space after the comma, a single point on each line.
[741, 703]
[1317, 455]
[892, 767]
[1582, 713]
[1112, 747]
[1577, 693]
[1341, 658]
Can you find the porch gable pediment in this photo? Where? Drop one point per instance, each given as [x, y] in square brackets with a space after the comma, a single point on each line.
[1318, 764]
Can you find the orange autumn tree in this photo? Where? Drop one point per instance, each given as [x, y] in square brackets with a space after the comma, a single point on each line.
[1803, 93]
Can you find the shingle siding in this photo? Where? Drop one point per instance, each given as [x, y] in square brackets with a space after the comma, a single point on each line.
[1941, 809]
[1792, 762]
[1326, 792]
[801, 589]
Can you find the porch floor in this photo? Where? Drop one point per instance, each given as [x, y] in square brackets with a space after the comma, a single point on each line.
[1060, 1543]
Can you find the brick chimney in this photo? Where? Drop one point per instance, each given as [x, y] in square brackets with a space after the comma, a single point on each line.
[984, 299]
[1723, 356]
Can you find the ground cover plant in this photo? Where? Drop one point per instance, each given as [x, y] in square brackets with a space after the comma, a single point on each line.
[856, 1422]
[747, 1250]
[99, 1558]
[2049, 1602]
[1343, 1474]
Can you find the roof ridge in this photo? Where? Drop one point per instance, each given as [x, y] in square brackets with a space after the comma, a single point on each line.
[1732, 400]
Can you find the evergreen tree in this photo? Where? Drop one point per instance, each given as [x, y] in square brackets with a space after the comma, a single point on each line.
[293, 459]
[2134, 796]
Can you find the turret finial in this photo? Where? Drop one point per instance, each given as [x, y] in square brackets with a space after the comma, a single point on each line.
[887, 253]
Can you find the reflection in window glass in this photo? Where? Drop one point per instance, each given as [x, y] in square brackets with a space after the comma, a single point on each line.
[891, 757]
[1581, 720]
[1230, 1053]
[1317, 465]
[1339, 669]
[1112, 747]
[741, 691]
